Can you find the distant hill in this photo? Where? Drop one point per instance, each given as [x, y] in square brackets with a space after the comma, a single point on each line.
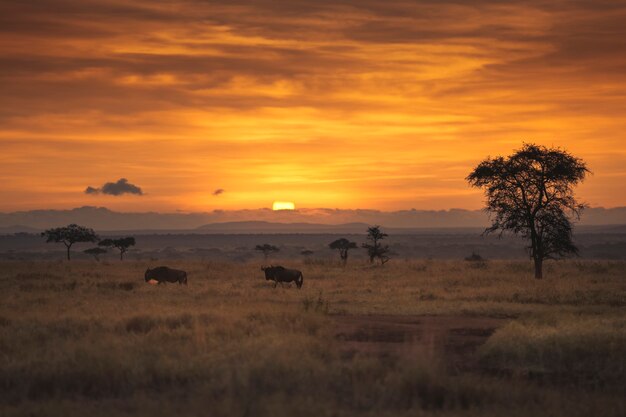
[10, 230]
[261, 227]
[265, 220]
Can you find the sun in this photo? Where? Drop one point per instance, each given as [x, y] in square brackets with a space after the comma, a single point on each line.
[283, 205]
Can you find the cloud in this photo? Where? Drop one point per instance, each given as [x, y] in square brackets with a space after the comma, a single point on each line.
[218, 191]
[264, 90]
[121, 186]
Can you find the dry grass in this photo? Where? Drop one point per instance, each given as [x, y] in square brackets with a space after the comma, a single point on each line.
[86, 337]
[569, 348]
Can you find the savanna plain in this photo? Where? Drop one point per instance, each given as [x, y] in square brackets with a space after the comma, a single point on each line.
[411, 337]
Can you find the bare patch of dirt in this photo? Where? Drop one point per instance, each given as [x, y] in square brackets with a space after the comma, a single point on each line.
[450, 340]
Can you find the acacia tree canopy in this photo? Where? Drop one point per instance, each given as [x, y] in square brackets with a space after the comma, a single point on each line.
[531, 193]
[69, 235]
[343, 245]
[122, 244]
[95, 252]
[266, 248]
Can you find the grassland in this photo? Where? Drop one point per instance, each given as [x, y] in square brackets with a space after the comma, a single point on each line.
[92, 338]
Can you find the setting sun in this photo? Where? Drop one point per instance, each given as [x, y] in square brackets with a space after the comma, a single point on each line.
[283, 205]
[444, 154]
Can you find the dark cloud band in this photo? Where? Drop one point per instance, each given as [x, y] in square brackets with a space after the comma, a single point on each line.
[121, 186]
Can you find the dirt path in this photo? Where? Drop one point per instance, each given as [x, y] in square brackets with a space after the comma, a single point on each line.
[451, 339]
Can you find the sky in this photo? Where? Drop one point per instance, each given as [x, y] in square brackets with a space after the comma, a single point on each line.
[190, 105]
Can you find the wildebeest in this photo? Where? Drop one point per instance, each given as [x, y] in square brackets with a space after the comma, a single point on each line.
[164, 274]
[282, 274]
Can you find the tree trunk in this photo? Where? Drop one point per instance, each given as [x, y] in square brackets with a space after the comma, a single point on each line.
[538, 268]
[535, 242]
[68, 251]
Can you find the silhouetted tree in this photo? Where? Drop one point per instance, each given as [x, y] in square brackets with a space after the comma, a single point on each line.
[530, 193]
[306, 253]
[266, 248]
[69, 235]
[95, 252]
[343, 246]
[474, 257]
[375, 249]
[122, 244]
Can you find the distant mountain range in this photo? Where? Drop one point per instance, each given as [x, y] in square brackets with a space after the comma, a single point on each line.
[9, 230]
[253, 227]
[267, 221]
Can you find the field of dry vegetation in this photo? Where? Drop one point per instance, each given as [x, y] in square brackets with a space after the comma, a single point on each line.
[410, 338]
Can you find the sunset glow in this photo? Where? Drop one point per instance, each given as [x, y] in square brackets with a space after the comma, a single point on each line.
[283, 205]
[335, 104]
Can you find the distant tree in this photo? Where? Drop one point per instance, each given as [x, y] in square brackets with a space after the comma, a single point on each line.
[375, 249]
[266, 248]
[69, 235]
[95, 252]
[121, 244]
[307, 253]
[530, 193]
[343, 245]
[475, 257]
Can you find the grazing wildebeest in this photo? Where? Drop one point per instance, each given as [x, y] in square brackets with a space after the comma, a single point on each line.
[282, 274]
[164, 274]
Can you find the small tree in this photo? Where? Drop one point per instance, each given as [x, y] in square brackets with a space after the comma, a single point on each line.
[375, 249]
[122, 244]
[266, 248]
[95, 252]
[69, 235]
[475, 257]
[306, 253]
[530, 193]
[343, 246]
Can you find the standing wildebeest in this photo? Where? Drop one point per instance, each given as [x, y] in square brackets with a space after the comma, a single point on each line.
[163, 274]
[282, 274]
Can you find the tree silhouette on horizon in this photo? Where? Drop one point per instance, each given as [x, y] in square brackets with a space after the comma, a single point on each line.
[95, 252]
[343, 245]
[266, 249]
[69, 235]
[375, 249]
[530, 193]
[121, 244]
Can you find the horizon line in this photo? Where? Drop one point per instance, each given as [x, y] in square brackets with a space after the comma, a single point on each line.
[268, 209]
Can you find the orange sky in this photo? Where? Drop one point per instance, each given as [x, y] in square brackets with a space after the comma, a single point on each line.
[348, 104]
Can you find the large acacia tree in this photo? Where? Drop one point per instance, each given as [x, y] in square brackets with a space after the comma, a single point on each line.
[530, 193]
[69, 235]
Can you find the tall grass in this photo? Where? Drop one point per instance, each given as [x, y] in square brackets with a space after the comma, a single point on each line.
[83, 338]
[569, 348]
